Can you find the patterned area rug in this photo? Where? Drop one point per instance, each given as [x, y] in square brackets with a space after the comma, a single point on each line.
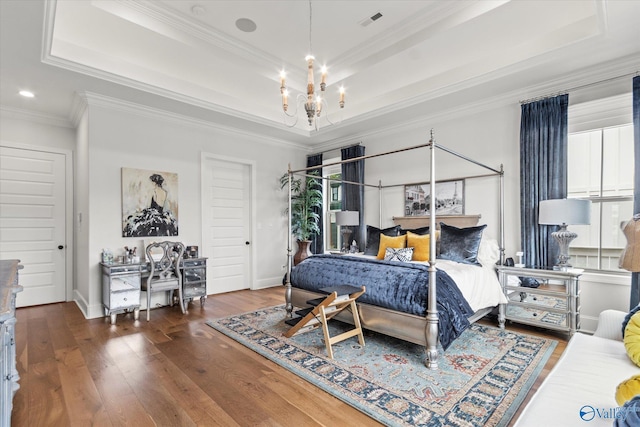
[482, 378]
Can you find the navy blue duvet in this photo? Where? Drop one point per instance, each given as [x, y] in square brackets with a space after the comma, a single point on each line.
[394, 285]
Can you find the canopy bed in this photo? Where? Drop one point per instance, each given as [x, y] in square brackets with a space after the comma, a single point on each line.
[413, 301]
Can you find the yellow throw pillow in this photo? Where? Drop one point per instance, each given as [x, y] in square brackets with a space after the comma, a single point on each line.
[396, 242]
[420, 245]
[627, 390]
[632, 338]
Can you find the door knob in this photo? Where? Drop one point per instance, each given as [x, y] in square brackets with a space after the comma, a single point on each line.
[246, 243]
[60, 247]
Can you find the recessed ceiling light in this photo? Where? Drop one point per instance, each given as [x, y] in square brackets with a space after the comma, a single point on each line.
[246, 25]
[26, 93]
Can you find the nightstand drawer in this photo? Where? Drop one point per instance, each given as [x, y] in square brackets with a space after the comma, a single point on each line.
[538, 316]
[538, 301]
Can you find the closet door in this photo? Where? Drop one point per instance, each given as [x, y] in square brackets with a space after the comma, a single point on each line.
[33, 221]
[226, 223]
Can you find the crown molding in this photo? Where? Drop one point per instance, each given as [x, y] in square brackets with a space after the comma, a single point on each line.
[567, 84]
[78, 108]
[103, 101]
[33, 116]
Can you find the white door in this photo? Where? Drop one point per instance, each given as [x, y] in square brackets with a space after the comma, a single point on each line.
[227, 196]
[32, 221]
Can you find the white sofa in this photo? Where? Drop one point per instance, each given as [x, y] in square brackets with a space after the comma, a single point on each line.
[584, 379]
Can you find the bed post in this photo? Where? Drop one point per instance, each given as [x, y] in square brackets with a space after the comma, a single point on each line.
[380, 203]
[431, 329]
[287, 286]
[502, 307]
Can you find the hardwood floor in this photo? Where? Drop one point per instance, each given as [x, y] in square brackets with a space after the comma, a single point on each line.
[171, 371]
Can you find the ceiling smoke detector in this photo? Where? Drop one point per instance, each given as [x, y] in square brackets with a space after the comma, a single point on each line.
[371, 19]
[198, 10]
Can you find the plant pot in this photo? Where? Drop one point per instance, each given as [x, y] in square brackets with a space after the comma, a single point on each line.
[304, 251]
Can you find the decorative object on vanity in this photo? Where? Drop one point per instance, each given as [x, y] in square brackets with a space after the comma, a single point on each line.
[149, 203]
[346, 219]
[449, 198]
[564, 212]
[304, 196]
[164, 274]
[130, 255]
[630, 257]
[313, 101]
[191, 252]
[386, 378]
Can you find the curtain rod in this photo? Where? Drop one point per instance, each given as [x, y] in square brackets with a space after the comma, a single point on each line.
[355, 159]
[586, 85]
[369, 156]
[334, 149]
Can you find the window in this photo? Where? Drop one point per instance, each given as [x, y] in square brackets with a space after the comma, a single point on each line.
[601, 168]
[333, 202]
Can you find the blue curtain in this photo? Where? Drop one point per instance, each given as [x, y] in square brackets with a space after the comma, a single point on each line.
[317, 241]
[353, 195]
[543, 173]
[635, 286]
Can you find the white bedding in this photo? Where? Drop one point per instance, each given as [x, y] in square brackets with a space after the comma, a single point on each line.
[479, 285]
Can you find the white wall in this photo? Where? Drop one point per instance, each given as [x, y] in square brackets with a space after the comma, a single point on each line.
[121, 137]
[28, 131]
[490, 137]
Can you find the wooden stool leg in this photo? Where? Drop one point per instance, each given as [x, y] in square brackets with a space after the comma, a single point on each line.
[325, 331]
[356, 322]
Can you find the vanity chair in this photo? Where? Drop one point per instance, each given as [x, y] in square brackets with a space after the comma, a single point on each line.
[165, 259]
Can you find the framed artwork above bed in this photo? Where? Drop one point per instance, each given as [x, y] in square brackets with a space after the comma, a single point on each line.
[449, 198]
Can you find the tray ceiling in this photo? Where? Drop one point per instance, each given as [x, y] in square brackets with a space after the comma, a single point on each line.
[195, 53]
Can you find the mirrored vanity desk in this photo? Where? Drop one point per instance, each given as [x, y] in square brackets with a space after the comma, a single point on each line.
[121, 285]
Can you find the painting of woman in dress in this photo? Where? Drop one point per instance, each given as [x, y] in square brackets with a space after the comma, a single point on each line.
[149, 203]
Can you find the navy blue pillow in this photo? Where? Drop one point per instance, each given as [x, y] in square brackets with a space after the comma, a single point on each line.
[460, 244]
[421, 231]
[373, 238]
[633, 311]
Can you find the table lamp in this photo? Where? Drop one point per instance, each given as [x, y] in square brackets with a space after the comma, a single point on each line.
[564, 212]
[345, 219]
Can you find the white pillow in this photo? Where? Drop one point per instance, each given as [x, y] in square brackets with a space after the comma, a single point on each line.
[488, 252]
[398, 254]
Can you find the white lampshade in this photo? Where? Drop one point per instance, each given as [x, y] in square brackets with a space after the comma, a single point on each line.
[564, 211]
[347, 218]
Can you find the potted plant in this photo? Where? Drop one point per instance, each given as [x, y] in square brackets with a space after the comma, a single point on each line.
[306, 194]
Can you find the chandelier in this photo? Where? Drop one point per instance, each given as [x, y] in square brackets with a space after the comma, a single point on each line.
[314, 102]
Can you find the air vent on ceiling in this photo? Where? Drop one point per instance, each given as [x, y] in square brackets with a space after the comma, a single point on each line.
[371, 19]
